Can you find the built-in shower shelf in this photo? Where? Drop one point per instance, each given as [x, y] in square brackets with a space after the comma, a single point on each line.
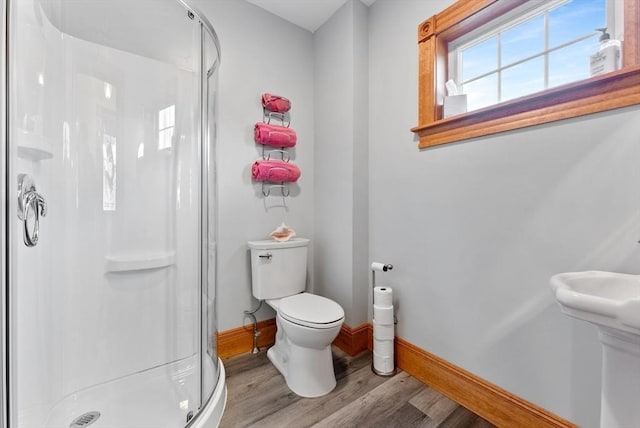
[32, 146]
[135, 262]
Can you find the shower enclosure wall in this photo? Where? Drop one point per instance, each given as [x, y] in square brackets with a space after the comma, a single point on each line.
[108, 237]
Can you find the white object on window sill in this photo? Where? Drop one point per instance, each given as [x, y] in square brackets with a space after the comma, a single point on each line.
[454, 105]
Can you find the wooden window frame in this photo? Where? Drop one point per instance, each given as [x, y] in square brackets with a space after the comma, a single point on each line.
[620, 88]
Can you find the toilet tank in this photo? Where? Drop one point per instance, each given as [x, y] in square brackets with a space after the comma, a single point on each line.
[278, 269]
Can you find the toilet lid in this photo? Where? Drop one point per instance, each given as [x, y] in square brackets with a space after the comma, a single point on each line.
[311, 310]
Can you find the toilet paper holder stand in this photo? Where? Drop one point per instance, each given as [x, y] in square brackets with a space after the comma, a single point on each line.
[381, 267]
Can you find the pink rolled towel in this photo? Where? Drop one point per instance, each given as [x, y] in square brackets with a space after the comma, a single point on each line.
[275, 103]
[275, 135]
[274, 170]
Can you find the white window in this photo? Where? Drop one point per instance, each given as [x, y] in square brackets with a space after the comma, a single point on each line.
[540, 45]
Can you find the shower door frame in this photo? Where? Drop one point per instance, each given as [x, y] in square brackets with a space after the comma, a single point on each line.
[206, 198]
[4, 249]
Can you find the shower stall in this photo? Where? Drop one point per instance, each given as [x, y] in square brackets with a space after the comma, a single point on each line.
[108, 240]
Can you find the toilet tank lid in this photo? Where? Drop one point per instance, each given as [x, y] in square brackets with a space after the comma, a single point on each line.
[272, 244]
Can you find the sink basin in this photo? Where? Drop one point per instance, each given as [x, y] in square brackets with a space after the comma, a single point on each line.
[611, 301]
[604, 298]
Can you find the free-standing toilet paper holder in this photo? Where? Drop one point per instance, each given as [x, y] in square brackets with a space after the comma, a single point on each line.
[380, 267]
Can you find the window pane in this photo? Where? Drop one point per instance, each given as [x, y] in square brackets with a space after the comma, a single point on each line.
[522, 41]
[571, 64]
[575, 19]
[482, 92]
[523, 79]
[479, 59]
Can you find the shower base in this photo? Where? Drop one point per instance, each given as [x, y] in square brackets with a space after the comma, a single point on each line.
[159, 397]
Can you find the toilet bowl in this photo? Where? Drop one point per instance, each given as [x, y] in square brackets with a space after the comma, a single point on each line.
[306, 323]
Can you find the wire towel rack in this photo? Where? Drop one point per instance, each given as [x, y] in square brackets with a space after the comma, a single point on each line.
[284, 118]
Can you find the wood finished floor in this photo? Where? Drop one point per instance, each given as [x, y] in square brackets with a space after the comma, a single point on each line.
[259, 397]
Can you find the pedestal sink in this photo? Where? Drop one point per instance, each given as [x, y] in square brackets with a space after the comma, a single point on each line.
[611, 301]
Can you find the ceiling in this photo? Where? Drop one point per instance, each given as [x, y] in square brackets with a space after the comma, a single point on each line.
[308, 14]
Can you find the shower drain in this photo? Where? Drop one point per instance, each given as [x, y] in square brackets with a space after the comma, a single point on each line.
[85, 420]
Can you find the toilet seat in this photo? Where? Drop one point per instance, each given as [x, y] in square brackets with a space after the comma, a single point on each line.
[311, 311]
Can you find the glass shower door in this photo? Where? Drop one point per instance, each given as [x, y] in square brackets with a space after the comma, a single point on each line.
[106, 228]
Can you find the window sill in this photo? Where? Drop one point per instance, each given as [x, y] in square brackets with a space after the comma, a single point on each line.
[596, 94]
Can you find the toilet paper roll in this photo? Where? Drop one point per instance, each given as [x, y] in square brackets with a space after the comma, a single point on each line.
[383, 331]
[383, 296]
[377, 266]
[380, 267]
[383, 314]
[383, 347]
[383, 363]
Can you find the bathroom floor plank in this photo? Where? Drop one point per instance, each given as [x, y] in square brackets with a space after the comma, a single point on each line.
[458, 418]
[406, 416]
[375, 406]
[239, 366]
[257, 390]
[254, 393]
[306, 412]
[439, 409]
[344, 365]
[258, 397]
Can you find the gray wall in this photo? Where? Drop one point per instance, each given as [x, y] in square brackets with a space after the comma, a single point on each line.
[341, 154]
[260, 53]
[475, 229]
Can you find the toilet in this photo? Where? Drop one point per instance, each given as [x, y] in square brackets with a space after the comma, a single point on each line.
[306, 323]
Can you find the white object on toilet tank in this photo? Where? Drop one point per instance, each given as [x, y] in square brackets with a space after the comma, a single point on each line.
[278, 269]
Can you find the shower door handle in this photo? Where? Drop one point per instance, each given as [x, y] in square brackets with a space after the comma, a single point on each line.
[30, 204]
